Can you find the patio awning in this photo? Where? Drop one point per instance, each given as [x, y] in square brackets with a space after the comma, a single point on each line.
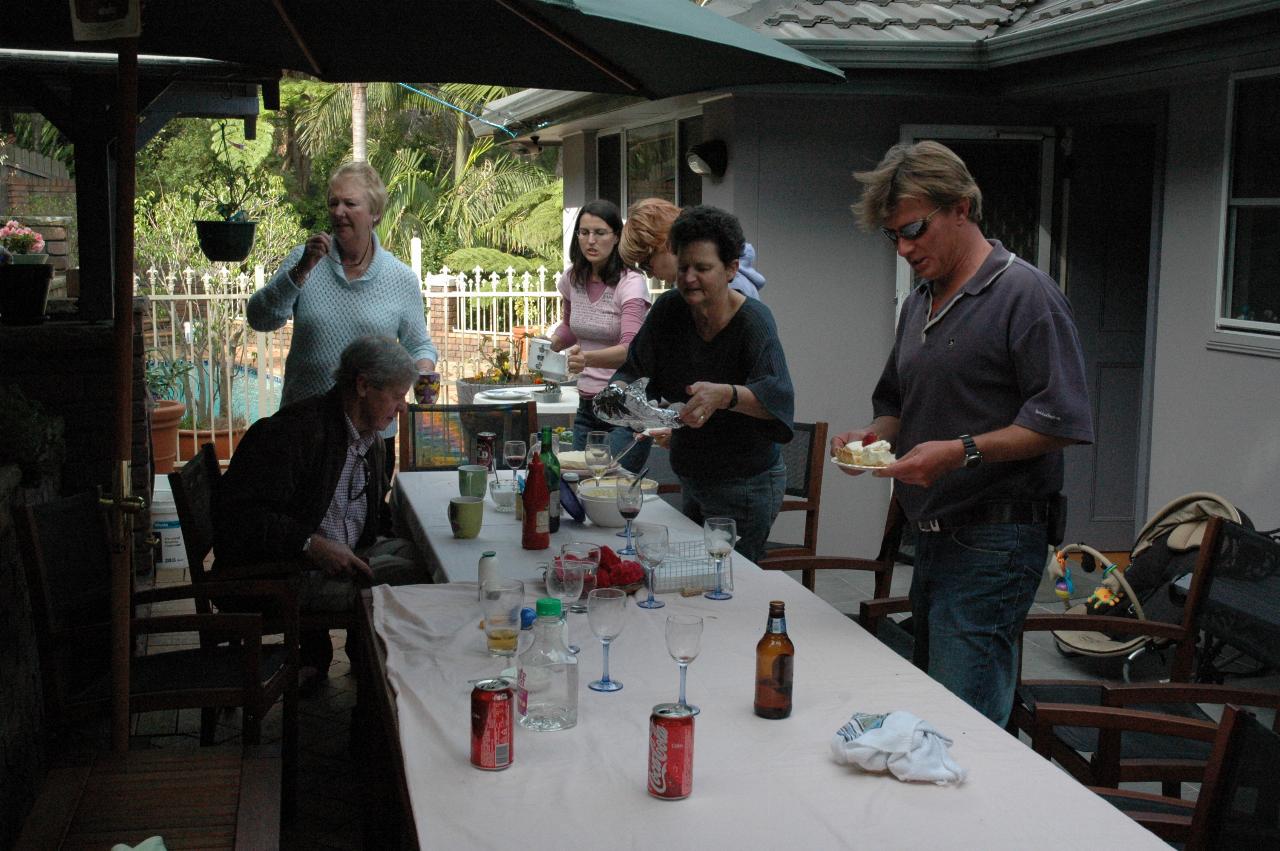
[653, 48]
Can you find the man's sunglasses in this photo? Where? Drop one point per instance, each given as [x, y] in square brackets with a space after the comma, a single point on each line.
[911, 230]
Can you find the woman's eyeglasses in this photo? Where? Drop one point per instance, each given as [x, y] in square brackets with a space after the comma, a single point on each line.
[362, 473]
[911, 230]
[598, 233]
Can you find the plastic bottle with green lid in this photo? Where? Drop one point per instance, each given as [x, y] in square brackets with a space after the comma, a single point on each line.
[547, 675]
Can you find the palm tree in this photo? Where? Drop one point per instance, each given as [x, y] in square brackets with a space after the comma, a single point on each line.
[326, 117]
[359, 121]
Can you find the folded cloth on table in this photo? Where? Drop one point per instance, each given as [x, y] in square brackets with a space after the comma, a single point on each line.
[573, 459]
[151, 843]
[900, 742]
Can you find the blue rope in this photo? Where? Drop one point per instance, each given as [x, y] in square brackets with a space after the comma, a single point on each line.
[443, 102]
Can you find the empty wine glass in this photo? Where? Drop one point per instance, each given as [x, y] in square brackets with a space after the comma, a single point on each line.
[684, 639]
[596, 456]
[587, 555]
[651, 545]
[564, 582]
[606, 612]
[630, 498]
[515, 451]
[719, 533]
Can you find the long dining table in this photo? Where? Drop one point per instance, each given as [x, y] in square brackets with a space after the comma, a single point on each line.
[756, 782]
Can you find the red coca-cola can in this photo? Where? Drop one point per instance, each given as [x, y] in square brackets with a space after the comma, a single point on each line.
[492, 725]
[486, 449]
[671, 751]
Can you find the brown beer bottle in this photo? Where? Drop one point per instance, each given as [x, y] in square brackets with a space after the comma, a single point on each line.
[775, 657]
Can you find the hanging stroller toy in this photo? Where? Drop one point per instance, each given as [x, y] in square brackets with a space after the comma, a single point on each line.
[1165, 550]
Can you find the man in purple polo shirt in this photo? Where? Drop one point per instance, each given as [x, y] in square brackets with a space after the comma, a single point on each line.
[983, 389]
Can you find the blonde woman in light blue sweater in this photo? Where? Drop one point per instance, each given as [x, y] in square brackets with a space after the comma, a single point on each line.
[341, 286]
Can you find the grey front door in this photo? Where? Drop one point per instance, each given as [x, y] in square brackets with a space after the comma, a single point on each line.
[1108, 243]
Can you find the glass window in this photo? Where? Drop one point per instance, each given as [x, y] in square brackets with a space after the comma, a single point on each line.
[689, 186]
[609, 168]
[1251, 278]
[651, 162]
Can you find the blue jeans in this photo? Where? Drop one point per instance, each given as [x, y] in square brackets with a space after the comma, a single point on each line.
[585, 421]
[752, 502]
[970, 591]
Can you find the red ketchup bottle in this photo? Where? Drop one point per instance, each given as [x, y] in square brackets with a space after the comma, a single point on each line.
[536, 531]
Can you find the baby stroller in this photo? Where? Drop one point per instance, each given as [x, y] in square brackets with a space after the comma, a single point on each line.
[1165, 550]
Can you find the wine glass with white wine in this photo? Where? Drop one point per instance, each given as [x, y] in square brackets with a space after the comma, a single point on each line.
[597, 456]
[719, 534]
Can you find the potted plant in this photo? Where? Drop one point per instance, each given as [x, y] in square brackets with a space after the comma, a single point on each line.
[25, 274]
[502, 367]
[232, 179]
[165, 376]
[23, 245]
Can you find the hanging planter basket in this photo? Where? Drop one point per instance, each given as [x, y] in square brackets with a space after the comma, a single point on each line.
[24, 291]
[226, 242]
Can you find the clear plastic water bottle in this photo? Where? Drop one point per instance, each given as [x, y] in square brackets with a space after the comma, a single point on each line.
[547, 678]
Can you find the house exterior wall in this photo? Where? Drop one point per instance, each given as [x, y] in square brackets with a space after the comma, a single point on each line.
[1215, 414]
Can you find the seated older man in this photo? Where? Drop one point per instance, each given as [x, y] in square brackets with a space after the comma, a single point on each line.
[305, 485]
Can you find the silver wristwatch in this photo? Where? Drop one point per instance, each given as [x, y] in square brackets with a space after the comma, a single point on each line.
[972, 456]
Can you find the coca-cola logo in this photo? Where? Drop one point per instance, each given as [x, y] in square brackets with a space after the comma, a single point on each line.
[658, 759]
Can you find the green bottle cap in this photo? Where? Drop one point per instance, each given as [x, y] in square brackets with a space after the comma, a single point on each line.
[549, 607]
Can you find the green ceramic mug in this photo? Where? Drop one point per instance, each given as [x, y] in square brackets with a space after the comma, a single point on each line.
[465, 514]
[473, 480]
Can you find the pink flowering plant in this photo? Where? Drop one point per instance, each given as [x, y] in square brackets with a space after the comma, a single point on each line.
[17, 239]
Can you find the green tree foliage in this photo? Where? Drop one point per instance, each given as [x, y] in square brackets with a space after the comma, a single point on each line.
[493, 260]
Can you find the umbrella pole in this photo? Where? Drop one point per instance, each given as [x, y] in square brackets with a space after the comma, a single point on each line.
[122, 344]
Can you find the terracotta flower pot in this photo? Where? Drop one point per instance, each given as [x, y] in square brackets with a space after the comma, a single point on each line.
[164, 433]
[224, 442]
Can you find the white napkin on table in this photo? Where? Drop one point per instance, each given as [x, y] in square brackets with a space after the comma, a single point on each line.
[900, 742]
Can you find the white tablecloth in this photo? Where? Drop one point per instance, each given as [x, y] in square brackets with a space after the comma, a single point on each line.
[756, 782]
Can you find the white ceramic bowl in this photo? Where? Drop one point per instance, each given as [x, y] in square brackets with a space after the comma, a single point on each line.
[601, 503]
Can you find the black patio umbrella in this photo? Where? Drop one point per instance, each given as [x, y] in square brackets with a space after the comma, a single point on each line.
[651, 48]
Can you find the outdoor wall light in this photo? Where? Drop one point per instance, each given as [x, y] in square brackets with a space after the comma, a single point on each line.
[710, 157]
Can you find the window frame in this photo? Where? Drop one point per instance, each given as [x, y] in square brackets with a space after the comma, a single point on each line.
[1238, 334]
[673, 120]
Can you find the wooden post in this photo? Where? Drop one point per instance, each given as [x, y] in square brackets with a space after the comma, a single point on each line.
[122, 521]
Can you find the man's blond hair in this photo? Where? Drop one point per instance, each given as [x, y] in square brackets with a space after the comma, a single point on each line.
[925, 170]
[646, 229]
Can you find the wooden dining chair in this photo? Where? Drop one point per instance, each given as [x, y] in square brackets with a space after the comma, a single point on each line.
[194, 488]
[67, 559]
[440, 437]
[806, 459]
[873, 616]
[1238, 805]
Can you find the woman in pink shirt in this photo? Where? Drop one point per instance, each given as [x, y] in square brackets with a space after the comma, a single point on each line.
[604, 304]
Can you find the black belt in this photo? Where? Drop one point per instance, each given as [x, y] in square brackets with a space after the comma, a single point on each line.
[989, 512]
